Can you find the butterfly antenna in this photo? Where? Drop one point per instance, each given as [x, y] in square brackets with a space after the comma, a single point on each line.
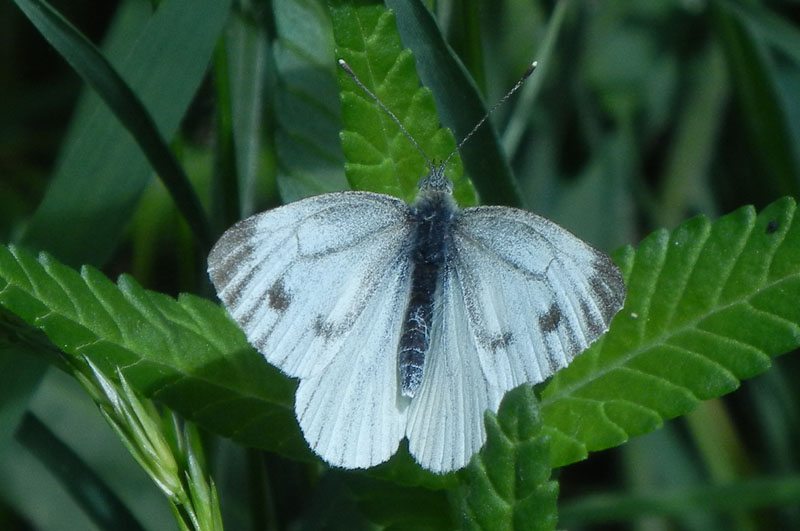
[504, 99]
[346, 68]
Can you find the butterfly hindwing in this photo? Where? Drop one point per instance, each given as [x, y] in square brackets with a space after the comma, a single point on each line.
[445, 420]
[352, 413]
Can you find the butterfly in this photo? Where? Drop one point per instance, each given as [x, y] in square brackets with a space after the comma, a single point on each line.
[410, 320]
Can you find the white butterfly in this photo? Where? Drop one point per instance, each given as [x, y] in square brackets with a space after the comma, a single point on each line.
[410, 320]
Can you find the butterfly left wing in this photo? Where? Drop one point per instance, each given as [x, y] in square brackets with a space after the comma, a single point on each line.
[295, 278]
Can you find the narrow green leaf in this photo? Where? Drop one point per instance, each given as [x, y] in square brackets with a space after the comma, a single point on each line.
[508, 484]
[86, 488]
[687, 173]
[306, 108]
[763, 108]
[126, 106]
[224, 193]
[708, 305]
[457, 99]
[246, 49]
[523, 105]
[379, 156]
[775, 30]
[102, 175]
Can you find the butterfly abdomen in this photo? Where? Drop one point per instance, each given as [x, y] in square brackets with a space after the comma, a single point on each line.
[431, 216]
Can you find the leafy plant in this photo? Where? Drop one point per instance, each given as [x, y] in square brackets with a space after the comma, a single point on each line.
[709, 303]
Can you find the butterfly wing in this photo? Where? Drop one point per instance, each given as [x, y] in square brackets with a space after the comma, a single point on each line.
[352, 413]
[519, 298]
[445, 419]
[298, 277]
[537, 295]
[317, 286]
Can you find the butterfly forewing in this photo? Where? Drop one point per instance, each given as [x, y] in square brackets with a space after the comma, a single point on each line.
[536, 296]
[298, 278]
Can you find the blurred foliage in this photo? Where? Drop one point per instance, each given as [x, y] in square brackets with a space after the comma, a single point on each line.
[641, 115]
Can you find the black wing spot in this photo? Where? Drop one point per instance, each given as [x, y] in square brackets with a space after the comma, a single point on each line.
[501, 341]
[593, 324]
[549, 321]
[772, 226]
[279, 298]
[605, 296]
[328, 329]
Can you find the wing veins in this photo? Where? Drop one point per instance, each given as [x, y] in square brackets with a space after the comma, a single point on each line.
[486, 250]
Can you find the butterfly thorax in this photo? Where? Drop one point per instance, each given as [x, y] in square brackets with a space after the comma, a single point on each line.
[431, 215]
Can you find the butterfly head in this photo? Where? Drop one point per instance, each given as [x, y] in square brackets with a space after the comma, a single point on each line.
[436, 181]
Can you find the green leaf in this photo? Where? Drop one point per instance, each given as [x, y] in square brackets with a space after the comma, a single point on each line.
[246, 49]
[708, 305]
[380, 158]
[306, 107]
[187, 353]
[103, 173]
[508, 484]
[458, 101]
[775, 30]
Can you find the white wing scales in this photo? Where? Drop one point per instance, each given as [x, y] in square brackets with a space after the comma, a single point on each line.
[445, 420]
[352, 413]
[538, 296]
[297, 277]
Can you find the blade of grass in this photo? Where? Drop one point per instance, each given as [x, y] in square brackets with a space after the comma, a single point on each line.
[102, 174]
[519, 117]
[246, 46]
[762, 106]
[225, 196]
[85, 487]
[93, 67]
[773, 29]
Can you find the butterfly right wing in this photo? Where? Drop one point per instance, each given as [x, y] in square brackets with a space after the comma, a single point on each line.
[298, 279]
